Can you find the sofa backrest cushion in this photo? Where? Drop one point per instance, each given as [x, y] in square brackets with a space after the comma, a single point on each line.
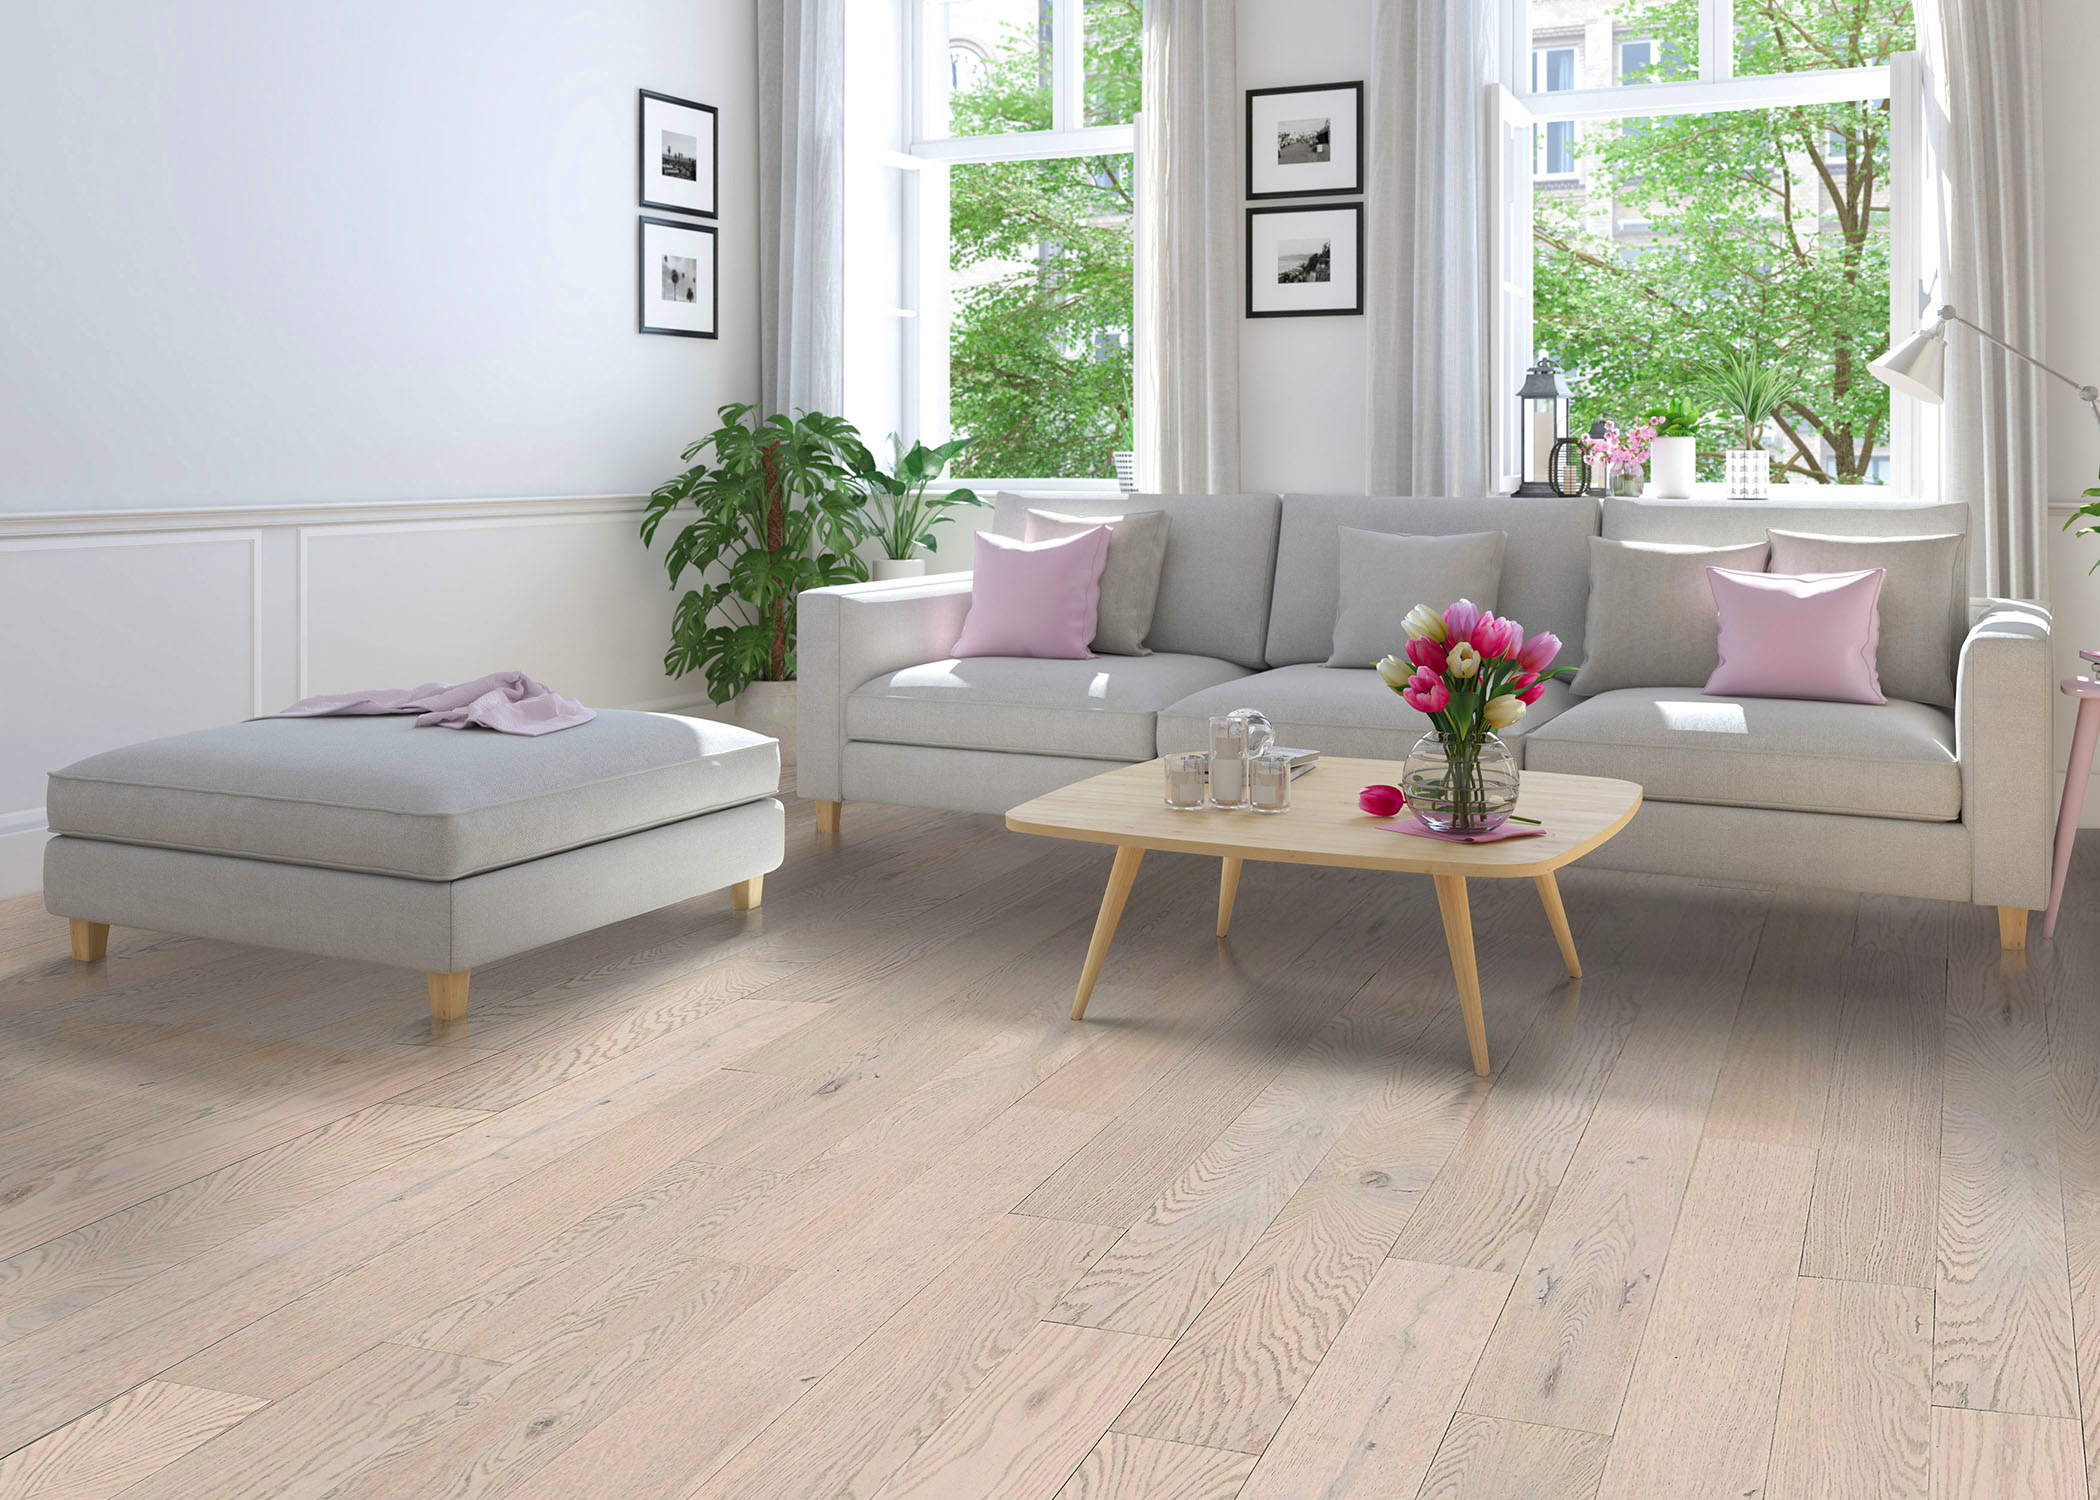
[1545, 567]
[1221, 556]
[1727, 523]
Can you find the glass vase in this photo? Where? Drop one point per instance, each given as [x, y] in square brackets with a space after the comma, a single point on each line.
[1463, 786]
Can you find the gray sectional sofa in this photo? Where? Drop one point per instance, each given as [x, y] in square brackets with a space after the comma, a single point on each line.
[1907, 799]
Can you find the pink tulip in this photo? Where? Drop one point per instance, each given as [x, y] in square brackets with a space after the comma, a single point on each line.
[1537, 654]
[1433, 699]
[1522, 680]
[1495, 637]
[1381, 801]
[1531, 695]
[1459, 619]
[1426, 654]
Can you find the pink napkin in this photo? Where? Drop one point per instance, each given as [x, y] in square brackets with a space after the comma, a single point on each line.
[1420, 829]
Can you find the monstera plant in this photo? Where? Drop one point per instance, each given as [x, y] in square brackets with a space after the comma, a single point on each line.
[778, 510]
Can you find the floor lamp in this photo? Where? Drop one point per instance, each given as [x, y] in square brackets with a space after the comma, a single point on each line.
[1918, 366]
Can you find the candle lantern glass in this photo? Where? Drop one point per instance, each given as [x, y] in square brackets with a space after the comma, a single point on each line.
[1542, 421]
[1188, 781]
[1269, 783]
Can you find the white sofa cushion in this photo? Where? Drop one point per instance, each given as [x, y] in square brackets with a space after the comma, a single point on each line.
[1880, 760]
[1652, 621]
[380, 796]
[1383, 577]
[1923, 602]
[1336, 710]
[1103, 709]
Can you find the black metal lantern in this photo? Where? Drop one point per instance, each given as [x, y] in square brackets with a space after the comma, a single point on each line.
[1542, 422]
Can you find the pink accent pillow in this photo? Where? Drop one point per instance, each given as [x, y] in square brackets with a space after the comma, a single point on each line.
[1035, 598]
[1798, 635]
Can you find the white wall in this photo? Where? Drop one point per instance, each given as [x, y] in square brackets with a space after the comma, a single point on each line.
[264, 252]
[1304, 404]
[318, 361]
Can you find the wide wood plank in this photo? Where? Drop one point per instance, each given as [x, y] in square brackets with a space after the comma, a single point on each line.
[1855, 1406]
[1990, 1455]
[1877, 1169]
[1564, 1348]
[2002, 1336]
[1122, 1467]
[1487, 1458]
[1776, 1082]
[1376, 1410]
[1699, 1409]
[2066, 968]
[858, 1425]
[1025, 1429]
[115, 1446]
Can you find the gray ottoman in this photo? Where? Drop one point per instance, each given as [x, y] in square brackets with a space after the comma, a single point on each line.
[435, 849]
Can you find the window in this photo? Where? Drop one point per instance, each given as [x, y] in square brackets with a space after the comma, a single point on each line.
[1734, 190]
[1022, 334]
[1553, 72]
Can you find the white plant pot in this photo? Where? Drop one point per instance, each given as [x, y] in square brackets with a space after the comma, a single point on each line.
[1749, 473]
[885, 568]
[1673, 465]
[766, 708]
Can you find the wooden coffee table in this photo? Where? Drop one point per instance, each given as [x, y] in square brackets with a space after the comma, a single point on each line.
[1124, 807]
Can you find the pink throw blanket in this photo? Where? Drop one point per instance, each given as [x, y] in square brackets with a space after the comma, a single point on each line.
[508, 702]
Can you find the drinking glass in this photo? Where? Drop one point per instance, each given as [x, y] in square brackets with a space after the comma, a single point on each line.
[1269, 783]
[1188, 780]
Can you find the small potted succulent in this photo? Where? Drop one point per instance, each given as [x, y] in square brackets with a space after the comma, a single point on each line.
[901, 511]
[1675, 464]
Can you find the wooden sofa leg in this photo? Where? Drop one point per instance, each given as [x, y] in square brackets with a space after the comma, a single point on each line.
[448, 996]
[90, 939]
[745, 894]
[828, 817]
[2012, 927]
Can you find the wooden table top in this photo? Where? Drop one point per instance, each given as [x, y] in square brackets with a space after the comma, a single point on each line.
[1126, 806]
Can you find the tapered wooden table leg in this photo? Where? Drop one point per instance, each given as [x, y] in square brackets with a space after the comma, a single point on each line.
[1557, 917]
[1458, 936]
[1228, 891]
[1121, 876]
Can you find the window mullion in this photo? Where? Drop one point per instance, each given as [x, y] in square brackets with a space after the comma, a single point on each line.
[1716, 40]
[1067, 64]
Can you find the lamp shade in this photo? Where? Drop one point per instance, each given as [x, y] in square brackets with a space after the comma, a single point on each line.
[1917, 366]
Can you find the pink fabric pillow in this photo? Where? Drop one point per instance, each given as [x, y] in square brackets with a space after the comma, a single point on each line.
[1798, 635]
[1035, 598]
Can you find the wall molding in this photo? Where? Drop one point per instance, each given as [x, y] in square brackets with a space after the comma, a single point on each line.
[332, 513]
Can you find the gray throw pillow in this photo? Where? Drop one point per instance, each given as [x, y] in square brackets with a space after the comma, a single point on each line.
[1137, 551]
[1385, 576]
[1651, 619]
[1924, 601]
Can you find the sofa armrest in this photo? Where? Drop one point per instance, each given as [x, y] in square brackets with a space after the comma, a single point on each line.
[850, 633]
[2003, 725]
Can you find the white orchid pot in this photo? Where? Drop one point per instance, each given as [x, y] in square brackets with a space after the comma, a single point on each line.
[1673, 466]
[886, 568]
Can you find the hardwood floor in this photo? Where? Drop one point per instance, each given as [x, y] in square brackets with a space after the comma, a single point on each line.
[1794, 1194]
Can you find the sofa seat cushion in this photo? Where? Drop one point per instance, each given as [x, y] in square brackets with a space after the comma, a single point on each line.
[1878, 760]
[380, 796]
[1102, 709]
[1335, 710]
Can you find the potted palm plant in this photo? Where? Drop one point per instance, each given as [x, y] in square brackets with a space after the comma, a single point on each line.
[1674, 457]
[1750, 388]
[779, 511]
[902, 509]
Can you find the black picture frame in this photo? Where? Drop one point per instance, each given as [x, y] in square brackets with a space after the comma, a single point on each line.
[1355, 310]
[1356, 183]
[713, 330]
[713, 162]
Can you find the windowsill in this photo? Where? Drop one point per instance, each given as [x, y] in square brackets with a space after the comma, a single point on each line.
[1040, 486]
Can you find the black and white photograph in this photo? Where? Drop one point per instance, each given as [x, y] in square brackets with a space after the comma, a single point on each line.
[680, 155]
[1306, 141]
[678, 279]
[1305, 262]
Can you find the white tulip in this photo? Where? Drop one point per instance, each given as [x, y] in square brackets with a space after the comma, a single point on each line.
[1503, 711]
[1395, 670]
[1463, 661]
[1423, 621]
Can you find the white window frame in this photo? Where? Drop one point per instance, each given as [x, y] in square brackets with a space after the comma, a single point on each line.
[932, 156]
[1717, 90]
[1542, 148]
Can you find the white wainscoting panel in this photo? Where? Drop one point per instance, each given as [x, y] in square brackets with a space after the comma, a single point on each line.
[124, 625]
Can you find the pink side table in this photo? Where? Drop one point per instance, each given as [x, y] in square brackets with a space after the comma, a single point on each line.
[2076, 776]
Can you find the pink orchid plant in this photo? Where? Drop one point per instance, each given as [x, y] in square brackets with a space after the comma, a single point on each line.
[1623, 451]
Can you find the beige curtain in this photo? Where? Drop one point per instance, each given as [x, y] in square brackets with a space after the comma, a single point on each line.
[801, 205]
[1428, 291]
[1190, 177]
[1995, 421]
